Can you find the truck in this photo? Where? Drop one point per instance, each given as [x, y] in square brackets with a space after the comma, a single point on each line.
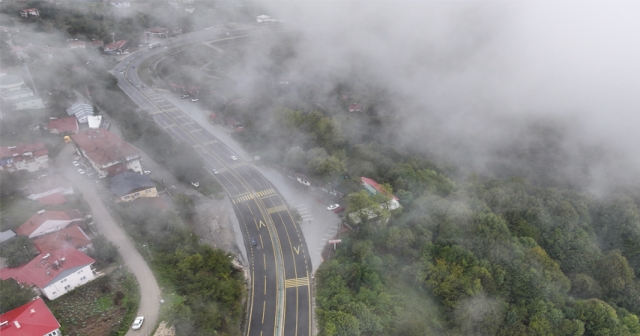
[154, 45]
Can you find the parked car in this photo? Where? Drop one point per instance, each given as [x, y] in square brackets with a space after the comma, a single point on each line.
[76, 163]
[147, 172]
[215, 172]
[194, 100]
[137, 324]
[333, 207]
[339, 209]
[81, 171]
[195, 184]
[184, 96]
[234, 158]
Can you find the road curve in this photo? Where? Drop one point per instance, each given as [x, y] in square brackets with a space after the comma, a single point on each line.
[280, 293]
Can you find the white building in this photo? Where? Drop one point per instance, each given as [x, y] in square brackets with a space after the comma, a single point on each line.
[94, 121]
[29, 157]
[45, 222]
[15, 93]
[55, 273]
[48, 186]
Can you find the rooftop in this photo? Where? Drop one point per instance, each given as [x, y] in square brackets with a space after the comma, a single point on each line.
[115, 45]
[127, 182]
[80, 110]
[10, 80]
[38, 219]
[71, 236]
[37, 149]
[374, 185]
[6, 235]
[48, 268]
[102, 146]
[48, 183]
[69, 124]
[33, 318]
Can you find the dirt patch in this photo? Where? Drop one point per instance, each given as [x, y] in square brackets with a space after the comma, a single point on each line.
[213, 226]
[164, 330]
[99, 307]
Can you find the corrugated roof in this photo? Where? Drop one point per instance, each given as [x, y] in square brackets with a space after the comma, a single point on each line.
[102, 146]
[71, 236]
[36, 220]
[33, 318]
[63, 125]
[80, 110]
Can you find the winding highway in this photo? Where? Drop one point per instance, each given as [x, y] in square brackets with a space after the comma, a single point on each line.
[280, 291]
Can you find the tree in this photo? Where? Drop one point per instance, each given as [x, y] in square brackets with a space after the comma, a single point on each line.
[18, 251]
[103, 250]
[599, 318]
[13, 295]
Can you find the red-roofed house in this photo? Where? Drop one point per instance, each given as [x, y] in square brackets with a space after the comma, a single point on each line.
[97, 43]
[33, 318]
[29, 157]
[53, 199]
[54, 273]
[108, 154]
[158, 31]
[67, 125]
[47, 186]
[29, 12]
[355, 107]
[374, 188]
[115, 47]
[71, 236]
[45, 222]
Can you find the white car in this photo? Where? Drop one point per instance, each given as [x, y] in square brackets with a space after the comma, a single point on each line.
[195, 184]
[333, 207]
[234, 158]
[76, 163]
[80, 171]
[215, 172]
[194, 100]
[137, 324]
[147, 172]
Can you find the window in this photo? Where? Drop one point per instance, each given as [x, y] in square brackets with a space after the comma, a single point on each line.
[63, 280]
[136, 194]
[67, 287]
[80, 271]
[83, 278]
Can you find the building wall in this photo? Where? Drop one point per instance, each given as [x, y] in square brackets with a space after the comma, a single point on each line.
[65, 191]
[30, 165]
[135, 166]
[151, 192]
[35, 103]
[71, 281]
[50, 226]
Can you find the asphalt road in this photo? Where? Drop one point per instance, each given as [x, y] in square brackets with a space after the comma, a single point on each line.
[280, 293]
[149, 289]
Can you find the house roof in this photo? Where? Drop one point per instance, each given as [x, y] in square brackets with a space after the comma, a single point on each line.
[6, 235]
[48, 183]
[128, 182]
[97, 43]
[10, 80]
[374, 185]
[94, 121]
[102, 146]
[80, 110]
[38, 149]
[69, 124]
[355, 107]
[36, 220]
[71, 236]
[33, 318]
[53, 199]
[115, 45]
[48, 268]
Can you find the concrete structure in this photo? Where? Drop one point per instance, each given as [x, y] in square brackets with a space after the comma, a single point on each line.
[33, 318]
[117, 47]
[94, 121]
[29, 157]
[29, 12]
[17, 95]
[47, 186]
[71, 236]
[108, 154]
[55, 273]
[63, 126]
[45, 222]
[129, 186]
[81, 111]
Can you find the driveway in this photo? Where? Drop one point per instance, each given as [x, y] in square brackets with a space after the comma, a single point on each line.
[149, 289]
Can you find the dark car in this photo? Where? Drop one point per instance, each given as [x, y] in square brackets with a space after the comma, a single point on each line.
[339, 209]
[253, 242]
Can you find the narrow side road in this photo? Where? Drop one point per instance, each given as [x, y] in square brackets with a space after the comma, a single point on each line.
[149, 289]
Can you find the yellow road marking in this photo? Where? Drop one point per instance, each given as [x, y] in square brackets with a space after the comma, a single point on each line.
[264, 307]
[297, 249]
[297, 282]
[264, 256]
[277, 209]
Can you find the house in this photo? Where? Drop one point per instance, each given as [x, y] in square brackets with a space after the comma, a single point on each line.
[33, 318]
[6, 235]
[47, 187]
[355, 107]
[115, 47]
[75, 44]
[158, 32]
[71, 236]
[17, 95]
[29, 157]
[55, 273]
[108, 154]
[44, 222]
[303, 179]
[94, 121]
[129, 186]
[97, 44]
[374, 188]
[29, 12]
[81, 111]
[63, 126]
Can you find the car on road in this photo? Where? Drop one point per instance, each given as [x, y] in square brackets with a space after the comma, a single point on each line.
[254, 242]
[134, 66]
[76, 163]
[184, 96]
[215, 172]
[234, 158]
[147, 172]
[81, 171]
[339, 209]
[137, 323]
[333, 207]
[195, 184]
[194, 100]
